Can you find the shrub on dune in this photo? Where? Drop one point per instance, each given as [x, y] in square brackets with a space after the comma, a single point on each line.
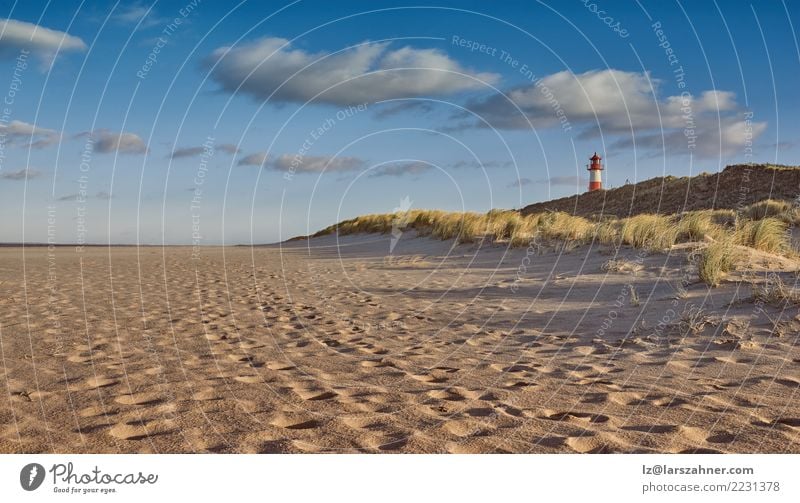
[607, 232]
[767, 208]
[716, 260]
[652, 232]
[768, 234]
[696, 225]
[563, 226]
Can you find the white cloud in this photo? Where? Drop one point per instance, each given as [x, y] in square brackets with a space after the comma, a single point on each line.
[106, 142]
[402, 168]
[256, 159]
[267, 66]
[618, 103]
[228, 148]
[315, 164]
[44, 43]
[134, 13]
[20, 133]
[195, 151]
[520, 183]
[22, 174]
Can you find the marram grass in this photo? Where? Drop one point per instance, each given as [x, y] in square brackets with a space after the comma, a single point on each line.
[762, 226]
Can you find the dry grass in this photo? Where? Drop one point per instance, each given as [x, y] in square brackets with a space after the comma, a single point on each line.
[768, 234]
[766, 231]
[693, 320]
[766, 208]
[716, 260]
[697, 225]
[776, 292]
[652, 232]
[620, 265]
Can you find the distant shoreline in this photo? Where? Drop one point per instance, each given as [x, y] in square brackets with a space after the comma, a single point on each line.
[120, 245]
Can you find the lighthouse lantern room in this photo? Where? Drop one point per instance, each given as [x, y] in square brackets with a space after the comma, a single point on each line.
[595, 168]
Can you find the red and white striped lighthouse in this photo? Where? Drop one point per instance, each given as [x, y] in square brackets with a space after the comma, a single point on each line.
[595, 168]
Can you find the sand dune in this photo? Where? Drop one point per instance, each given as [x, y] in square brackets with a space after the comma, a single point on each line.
[339, 346]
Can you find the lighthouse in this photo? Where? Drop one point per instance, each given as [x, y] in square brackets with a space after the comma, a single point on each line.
[595, 168]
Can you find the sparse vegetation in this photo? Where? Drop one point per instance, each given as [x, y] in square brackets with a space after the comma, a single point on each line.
[697, 225]
[774, 291]
[652, 232]
[716, 260]
[620, 265]
[767, 208]
[634, 298]
[761, 226]
[768, 234]
[693, 320]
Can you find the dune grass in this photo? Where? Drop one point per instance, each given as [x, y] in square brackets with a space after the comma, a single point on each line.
[768, 234]
[716, 260]
[762, 226]
[766, 208]
[776, 292]
[653, 232]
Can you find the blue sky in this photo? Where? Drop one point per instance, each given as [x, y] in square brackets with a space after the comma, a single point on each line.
[312, 112]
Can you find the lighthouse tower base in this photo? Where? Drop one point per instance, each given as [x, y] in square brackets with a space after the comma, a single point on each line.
[595, 180]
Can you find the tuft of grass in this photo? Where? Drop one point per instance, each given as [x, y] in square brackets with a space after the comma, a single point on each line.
[716, 260]
[634, 298]
[768, 234]
[563, 226]
[648, 231]
[652, 232]
[693, 320]
[766, 208]
[608, 232]
[696, 225]
[776, 292]
[620, 265]
[504, 224]
[723, 218]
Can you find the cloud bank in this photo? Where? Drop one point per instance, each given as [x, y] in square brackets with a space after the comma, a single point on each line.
[364, 74]
[178, 153]
[44, 43]
[617, 102]
[19, 133]
[22, 174]
[106, 142]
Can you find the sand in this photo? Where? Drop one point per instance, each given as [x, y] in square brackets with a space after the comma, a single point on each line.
[326, 346]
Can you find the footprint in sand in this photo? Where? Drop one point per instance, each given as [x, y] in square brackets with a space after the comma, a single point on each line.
[206, 394]
[139, 399]
[100, 382]
[136, 430]
[292, 421]
[249, 379]
[95, 411]
[722, 437]
[467, 427]
[387, 443]
[82, 358]
[314, 394]
[652, 428]
[575, 417]
[428, 378]
[589, 445]
[553, 442]
[280, 366]
[364, 423]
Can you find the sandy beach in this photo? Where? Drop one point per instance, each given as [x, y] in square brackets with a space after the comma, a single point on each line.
[337, 345]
